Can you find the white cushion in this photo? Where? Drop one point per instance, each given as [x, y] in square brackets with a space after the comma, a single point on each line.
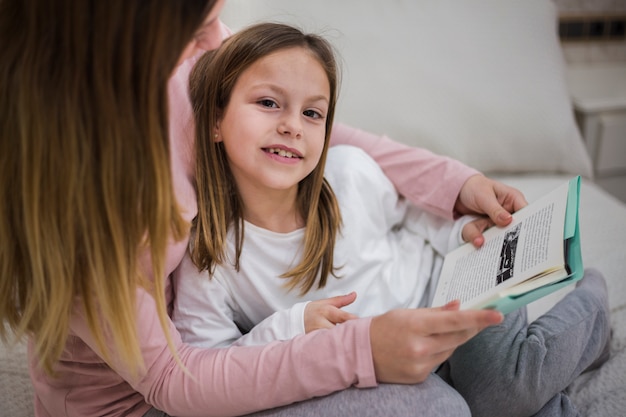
[481, 81]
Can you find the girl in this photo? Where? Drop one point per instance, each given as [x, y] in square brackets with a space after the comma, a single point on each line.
[264, 104]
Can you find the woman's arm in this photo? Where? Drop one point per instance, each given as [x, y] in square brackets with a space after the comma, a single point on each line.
[438, 184]
[239, 380]
[403, 346]
[430, 181]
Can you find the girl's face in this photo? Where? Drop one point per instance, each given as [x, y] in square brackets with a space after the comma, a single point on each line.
[208, 36]
[274, 126]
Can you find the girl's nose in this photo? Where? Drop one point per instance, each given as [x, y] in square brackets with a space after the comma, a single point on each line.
[290, 125]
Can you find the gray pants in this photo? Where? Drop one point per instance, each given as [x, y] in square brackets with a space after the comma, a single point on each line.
[432, 398]
[513, 369]
[520, 369]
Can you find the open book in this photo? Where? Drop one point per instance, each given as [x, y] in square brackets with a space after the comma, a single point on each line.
[537, 254]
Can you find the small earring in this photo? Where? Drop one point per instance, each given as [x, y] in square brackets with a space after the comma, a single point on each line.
[216, 136]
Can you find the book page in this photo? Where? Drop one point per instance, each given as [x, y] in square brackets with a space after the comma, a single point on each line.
[530, 246]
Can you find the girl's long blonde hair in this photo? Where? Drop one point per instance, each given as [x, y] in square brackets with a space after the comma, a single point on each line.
[85, 179]
[211, 83]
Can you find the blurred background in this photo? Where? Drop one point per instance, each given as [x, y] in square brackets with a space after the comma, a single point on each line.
[593, 39]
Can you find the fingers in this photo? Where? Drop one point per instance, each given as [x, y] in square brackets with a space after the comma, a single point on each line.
[326, 313]
[490, 205]
[481, 195]
[332, 309]
[324, 316]
[454, 333]
[407, 344]
[509, 200]
[456, 321]
[340, 300]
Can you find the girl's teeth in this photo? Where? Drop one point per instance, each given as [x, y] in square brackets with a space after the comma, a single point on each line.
[282, 153]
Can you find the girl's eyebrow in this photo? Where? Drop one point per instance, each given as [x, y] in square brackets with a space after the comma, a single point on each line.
[321, 97]
[280, 90]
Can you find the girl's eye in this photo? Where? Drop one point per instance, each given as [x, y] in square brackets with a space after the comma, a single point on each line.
[313, 114]
[268, 103]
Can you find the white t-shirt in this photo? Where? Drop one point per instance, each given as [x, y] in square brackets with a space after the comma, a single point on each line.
[388, 251]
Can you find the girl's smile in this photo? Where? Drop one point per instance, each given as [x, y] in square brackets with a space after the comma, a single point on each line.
[283, 154]
[274, 126]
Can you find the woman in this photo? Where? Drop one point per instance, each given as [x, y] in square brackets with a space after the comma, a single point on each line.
[97, 193]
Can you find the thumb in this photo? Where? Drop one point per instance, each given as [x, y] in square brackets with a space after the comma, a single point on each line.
[492, 207]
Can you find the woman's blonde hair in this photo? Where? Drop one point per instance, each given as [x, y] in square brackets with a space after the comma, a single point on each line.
[85, 179]
[211, 83]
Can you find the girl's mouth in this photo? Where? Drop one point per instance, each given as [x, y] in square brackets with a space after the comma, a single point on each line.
[282, 152]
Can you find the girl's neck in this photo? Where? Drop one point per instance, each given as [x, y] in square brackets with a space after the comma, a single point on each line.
[275, 211]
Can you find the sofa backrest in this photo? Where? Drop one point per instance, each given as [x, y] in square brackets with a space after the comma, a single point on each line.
[481, 81]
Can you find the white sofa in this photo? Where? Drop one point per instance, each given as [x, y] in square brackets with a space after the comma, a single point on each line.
[479, 80]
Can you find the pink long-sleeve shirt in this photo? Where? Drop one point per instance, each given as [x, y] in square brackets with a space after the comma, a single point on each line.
[236, 380]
